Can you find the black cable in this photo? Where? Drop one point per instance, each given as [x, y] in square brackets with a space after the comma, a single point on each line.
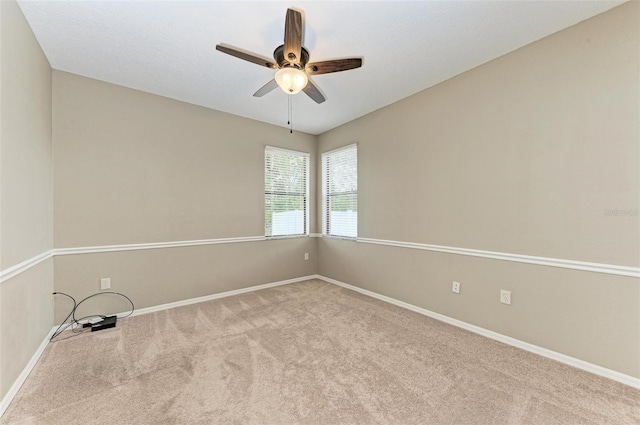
[72, 314]
[59, 331]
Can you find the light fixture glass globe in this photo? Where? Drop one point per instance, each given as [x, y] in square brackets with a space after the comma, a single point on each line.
[291, 80]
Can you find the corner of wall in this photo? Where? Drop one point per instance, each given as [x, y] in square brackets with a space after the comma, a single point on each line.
[26, 242]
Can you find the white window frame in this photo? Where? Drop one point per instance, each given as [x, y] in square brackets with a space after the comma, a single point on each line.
[326, 226]
[307, 156]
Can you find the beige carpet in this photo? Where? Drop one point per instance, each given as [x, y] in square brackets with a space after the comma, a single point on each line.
[309, 352]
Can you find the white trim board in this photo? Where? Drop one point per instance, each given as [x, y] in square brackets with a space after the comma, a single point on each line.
[13, 271]
[173, 244]
[612, 269]
[544, 352]
[518, 258]
[154, 245]
[17, 384]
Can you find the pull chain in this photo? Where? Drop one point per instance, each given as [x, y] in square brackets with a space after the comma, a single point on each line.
[290, 112]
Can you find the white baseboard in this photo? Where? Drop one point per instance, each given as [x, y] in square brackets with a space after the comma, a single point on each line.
[167, 306]
[562, 358]
[6, 400]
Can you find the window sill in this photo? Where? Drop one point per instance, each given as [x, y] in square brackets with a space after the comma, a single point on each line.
[271, 238]
[343, 238]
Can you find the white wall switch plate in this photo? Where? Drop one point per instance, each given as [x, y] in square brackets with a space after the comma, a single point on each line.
[306, 255]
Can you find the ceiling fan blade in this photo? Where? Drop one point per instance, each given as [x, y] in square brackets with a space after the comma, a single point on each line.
[293, 36]
[247, 56]
[335, 65]
[266, 88]
[313, 92]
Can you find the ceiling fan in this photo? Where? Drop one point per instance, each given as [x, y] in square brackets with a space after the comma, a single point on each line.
[292, 62]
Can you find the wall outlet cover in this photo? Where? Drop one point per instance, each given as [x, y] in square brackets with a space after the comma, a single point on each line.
[455, 287]
[105, 283]
[505, 297]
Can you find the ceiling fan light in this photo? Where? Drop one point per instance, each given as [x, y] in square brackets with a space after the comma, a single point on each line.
[291, 80]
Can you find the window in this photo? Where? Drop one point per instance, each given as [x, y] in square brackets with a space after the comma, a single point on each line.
[286, 192]
[340, 192]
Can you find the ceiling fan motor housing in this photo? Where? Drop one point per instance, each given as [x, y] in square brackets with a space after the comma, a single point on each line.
[278, 55]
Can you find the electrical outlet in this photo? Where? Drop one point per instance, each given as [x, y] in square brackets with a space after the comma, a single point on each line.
[51, 294]
[505, 296]
[306, 256]
[455, 287]
[105, 283]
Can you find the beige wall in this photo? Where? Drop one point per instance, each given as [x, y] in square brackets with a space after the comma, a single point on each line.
[159, 276]
[27, 317]
[26, 225]
[26, 215]
[590, 316]
[131, 167]
[521, 155]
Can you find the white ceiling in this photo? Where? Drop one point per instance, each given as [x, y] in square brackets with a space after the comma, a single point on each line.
[168, 47]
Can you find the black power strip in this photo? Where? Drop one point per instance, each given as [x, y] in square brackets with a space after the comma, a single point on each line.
[106, 323]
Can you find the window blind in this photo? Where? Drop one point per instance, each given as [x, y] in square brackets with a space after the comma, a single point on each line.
[340, 192]
[286, 192]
